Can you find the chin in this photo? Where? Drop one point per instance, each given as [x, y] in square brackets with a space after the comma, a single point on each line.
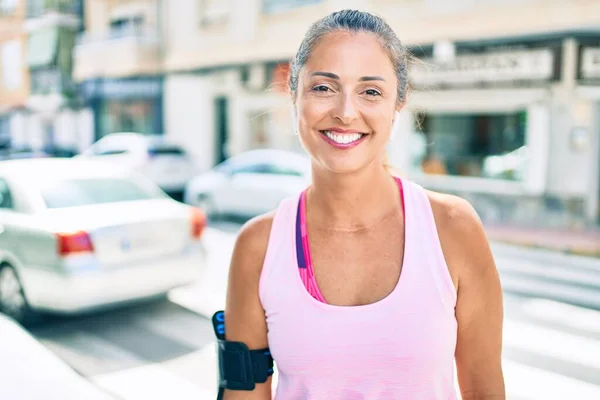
[343, 165]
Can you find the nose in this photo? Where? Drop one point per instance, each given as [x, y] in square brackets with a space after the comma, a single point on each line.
[345, 110]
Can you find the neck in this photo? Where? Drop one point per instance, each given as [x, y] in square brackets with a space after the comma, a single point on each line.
[352, 201]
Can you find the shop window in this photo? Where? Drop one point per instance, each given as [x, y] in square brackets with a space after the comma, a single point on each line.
[127, 116]
[477, 145]
[214, 12]
[277, 6]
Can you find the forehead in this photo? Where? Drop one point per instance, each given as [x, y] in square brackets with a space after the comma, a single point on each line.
[348, 53]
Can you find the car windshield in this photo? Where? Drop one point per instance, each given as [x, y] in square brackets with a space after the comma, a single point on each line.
[82, 192]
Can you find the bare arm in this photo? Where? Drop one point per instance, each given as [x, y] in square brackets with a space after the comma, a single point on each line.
[244, 316]
[479, 308]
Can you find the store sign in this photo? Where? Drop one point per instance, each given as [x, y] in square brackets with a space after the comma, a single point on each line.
[497, 67]
[123, 88]
[590, 63]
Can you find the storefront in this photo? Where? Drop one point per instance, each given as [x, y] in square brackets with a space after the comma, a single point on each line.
[587, 136]
[125, 105]
[478, 124]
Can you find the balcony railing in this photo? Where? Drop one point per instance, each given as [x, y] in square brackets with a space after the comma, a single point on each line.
[38, 8]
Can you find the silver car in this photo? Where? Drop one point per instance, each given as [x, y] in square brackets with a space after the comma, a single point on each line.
[250, 183]
[76, 235]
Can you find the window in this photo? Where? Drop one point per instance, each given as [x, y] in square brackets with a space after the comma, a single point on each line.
[481, 145]
[214, 12]
[46, 81]
[282, 169]
[82, 192]
[8, 7]
[6, 200]
[128, 116]
[252, 169]
[11, 67]
[276, 6]
[166, 150]
[127, 26]
[37, 8]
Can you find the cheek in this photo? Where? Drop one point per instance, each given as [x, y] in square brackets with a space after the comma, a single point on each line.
[311, 113]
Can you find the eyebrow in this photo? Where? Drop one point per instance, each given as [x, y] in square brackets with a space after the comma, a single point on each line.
[334, 76]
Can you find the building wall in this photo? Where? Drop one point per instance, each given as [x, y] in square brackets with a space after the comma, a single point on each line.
[416, 22]
[14, 92]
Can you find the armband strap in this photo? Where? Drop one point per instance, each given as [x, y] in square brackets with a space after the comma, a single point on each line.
[239, 367]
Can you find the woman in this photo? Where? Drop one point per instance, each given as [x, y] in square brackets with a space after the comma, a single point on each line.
[365, 286]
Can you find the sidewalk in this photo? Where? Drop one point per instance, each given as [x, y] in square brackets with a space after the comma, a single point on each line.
[584, 243]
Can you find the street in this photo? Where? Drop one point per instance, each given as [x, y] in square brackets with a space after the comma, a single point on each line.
[165, 348]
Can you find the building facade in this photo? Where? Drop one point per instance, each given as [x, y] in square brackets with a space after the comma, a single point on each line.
[505, 111]
[14, 78]
[118, 64]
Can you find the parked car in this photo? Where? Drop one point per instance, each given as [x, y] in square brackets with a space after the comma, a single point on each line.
[31, 371]
[249, 184]
[77, 235]
[166, 163]
[15, 154]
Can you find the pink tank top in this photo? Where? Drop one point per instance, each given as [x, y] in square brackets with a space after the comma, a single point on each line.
[401, 347]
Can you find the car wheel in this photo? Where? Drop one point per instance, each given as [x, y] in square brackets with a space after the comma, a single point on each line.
[205, 203]
[12, 297]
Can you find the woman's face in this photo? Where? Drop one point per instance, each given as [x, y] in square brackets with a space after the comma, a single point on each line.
[345, 101]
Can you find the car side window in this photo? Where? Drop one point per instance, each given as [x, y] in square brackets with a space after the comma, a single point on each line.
[251, 169]
[6, 199]
[277, 169]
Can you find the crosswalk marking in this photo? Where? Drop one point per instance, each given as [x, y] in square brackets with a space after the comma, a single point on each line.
[528, 383]
[552, 343]
[150, 382]
[565, 314]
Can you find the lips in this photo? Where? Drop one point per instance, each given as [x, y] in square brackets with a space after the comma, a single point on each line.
[342, 139]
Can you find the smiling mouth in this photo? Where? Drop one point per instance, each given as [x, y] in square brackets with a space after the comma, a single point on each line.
[343, 139]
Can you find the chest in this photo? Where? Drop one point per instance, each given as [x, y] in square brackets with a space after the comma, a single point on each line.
[360, 267]
[402, 344]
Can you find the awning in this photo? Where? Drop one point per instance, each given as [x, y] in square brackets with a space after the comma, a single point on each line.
[42, 46]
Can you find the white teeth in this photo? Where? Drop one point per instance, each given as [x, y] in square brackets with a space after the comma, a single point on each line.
[343, 139]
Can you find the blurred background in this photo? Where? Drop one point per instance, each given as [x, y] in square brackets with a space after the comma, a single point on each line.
[173, 115]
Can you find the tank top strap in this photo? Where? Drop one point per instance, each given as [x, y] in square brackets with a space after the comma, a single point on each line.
[279, 240]
[427, 235]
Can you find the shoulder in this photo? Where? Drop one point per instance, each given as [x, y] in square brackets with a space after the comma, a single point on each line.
[452, 213]
[252, 240]
[461, 233]
[244, 314]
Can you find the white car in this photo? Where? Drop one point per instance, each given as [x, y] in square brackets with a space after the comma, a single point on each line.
[249, 184]
[77, 235]
[164, 162]
[31, 371]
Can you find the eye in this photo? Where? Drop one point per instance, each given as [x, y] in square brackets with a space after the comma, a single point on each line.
[372, 92]
[320, 88]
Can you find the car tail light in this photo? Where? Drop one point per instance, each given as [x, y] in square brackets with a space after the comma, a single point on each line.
[74, 242]
[198, 222]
